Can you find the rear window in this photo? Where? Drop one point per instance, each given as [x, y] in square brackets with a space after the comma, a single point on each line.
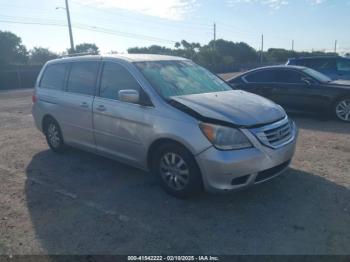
[54, 76]
[82, 77]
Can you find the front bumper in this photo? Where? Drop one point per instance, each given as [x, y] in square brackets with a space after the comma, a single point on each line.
[236, 169]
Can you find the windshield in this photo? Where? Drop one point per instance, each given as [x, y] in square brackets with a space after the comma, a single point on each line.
[177, 78]
[317, 75]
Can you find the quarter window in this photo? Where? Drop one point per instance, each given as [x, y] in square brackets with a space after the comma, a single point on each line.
[54, 77]
[115, 78]
[82, 78]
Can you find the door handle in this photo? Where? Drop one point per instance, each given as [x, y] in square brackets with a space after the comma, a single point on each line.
[101, 108]
[84, 104]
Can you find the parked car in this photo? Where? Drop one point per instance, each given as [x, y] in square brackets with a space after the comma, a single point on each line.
[335, 67]
[164, 114]
[298, 89]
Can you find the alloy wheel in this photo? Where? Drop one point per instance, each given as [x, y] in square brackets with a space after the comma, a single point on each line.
[342, 110]
[174, 171]
[53, 135]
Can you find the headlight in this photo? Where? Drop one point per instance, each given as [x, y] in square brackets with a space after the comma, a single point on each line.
[225, 138]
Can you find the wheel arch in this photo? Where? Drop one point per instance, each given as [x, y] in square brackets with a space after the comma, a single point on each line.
[157, 143]
[45, 120]
[337, 99]
[335, 102]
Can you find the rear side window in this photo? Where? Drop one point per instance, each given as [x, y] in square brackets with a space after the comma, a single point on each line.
[82, 77]
[54, 77]
[115, 78]
[288, 76]
[264, 76]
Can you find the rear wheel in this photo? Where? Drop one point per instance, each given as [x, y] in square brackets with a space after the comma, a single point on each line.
[54, 136]
[177, 170]
[342, 109]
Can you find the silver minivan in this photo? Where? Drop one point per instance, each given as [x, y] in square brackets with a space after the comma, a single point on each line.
[167, 115]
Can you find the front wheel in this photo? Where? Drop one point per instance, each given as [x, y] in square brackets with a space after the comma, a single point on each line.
[177, 171]
[342, 109]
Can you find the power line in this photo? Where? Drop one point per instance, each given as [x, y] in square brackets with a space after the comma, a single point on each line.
[249, 31]
[95, 29]
[139, 19]
[60, 23]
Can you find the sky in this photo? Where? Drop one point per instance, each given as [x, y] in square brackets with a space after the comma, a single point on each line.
[116, 25]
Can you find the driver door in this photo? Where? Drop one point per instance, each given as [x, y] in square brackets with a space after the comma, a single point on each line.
[119, 127]
[297, 92]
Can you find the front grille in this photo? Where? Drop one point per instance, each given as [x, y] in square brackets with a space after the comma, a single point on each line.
[240, 180]
[266, 174]
[276, 134]
[279, 135]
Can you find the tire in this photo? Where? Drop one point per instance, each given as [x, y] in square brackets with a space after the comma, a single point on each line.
[341, 109]
[54, 136]
[177, 171]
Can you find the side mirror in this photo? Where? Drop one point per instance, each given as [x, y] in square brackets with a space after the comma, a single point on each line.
[129, 96]
[306, 81]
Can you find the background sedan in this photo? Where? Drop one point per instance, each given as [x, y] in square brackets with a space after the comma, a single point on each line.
[298, 89]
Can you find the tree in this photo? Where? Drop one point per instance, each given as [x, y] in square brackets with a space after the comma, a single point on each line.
[11, 49]
[153, 49]
[278, 55]
[210, 59]
[224, 56]
[188, 50]
[85, 48]
[40, 55]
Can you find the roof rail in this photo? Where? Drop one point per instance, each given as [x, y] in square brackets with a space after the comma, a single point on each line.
[78, 54]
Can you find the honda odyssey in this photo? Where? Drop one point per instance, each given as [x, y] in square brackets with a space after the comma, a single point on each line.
[167, 115]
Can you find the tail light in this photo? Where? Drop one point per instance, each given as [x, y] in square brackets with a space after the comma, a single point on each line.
[34, 98]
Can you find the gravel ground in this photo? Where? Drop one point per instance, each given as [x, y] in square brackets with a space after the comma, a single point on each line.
[79, 203]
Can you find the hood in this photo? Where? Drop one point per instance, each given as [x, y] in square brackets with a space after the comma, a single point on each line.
[340, 83]
[236, 107]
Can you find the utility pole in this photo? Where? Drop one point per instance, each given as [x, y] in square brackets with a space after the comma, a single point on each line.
[335, 46]
[70, 28]
[214, 34]
[292, 45]
[262, 49]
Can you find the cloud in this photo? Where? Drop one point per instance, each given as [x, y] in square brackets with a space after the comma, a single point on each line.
[316, 2]
[274, 4]
[168, 9]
